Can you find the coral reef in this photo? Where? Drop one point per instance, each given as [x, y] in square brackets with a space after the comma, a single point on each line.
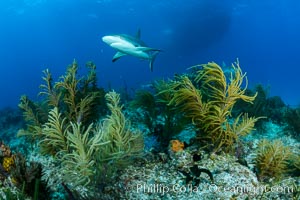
[292, 117]
[66, 125]
[7, 161]
[85, 146]
[85, 153]
[161, 119]
[145, 100]
[116, 129]
[10, 117]
[209, 106]
[211, 177]
[272, 108]
[272, 159]
[20, 178]
[158, 179]
[27, 177]
[78, 98]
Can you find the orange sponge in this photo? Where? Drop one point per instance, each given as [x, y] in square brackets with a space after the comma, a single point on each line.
[176, 145]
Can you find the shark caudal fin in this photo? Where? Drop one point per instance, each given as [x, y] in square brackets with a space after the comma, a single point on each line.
[153, 57]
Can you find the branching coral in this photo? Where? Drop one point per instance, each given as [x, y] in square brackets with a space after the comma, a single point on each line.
[75, 96]
[209, 107]
[78, 99]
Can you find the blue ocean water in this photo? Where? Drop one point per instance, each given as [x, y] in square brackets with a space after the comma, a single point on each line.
[40, 34]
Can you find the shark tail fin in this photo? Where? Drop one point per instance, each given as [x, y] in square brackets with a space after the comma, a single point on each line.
[153, 57]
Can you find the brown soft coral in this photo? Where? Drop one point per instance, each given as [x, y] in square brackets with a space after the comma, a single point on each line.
[77, 97]
[272, 159]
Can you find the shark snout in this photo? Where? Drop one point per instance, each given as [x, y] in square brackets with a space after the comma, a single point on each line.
[108, 39]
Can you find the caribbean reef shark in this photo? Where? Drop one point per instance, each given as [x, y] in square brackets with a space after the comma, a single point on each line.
[129, 45]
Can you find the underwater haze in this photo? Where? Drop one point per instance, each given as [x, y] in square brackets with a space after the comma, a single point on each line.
[40, 34]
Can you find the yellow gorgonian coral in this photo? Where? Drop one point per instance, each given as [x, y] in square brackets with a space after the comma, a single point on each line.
[208, 101]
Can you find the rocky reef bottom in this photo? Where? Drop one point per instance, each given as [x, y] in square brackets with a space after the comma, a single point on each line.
[187, 173]
[195, 174]
[179, 176]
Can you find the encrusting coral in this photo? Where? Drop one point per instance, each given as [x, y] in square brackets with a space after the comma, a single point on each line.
[8, 159]
[209, 106]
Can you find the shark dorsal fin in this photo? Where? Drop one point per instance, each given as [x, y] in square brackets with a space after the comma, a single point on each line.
[138, 34]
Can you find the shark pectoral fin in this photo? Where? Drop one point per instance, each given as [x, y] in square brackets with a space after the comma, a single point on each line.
[152, 60]
[117, 56]
[146, 49]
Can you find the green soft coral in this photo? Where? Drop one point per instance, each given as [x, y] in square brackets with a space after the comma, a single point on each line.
[65, 125]
[54, 134]
[84, 151]
[124, 142]
[79, 164]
